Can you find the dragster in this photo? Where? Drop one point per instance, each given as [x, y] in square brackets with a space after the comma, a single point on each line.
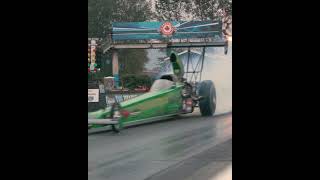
[173, 93]
[170, 95]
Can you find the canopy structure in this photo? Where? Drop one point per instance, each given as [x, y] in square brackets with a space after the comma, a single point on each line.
[158, 35]
[177, 30]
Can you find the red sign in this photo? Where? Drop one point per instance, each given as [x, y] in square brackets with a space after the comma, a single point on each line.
[167, 29]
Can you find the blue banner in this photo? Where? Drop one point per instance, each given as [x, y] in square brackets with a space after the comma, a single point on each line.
[165, 30]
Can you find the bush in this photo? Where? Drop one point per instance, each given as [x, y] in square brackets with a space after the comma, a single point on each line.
[134, 81]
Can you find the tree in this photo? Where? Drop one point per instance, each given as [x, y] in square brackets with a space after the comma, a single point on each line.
[132, 61]
[99, 17]
[182, 10]
[101, 13]
[172, 10]
[212, 9]
[131, 10]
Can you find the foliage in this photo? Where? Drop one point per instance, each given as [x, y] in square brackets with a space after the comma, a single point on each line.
[172, 10]
[180, 10]
[132, 81]
[132, 61]
[212, 9]
[101, 13]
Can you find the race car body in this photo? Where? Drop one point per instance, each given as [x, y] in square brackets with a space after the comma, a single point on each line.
[170, 95]
[163, 100]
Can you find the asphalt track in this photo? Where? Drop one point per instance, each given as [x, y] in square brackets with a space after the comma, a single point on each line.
[190, 147]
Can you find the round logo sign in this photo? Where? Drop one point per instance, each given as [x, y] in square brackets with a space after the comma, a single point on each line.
[167, 29]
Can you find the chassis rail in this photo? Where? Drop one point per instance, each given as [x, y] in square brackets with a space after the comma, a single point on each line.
[102, 121]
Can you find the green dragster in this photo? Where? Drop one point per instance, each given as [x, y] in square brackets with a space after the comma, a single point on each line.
[169, 96]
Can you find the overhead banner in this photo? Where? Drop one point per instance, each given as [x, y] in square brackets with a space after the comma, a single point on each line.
[166, 30]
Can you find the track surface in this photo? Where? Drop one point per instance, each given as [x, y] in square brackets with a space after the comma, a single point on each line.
[190, 147]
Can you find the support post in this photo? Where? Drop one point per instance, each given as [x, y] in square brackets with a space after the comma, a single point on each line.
[203, 54]
[188, 63]
[115, 68]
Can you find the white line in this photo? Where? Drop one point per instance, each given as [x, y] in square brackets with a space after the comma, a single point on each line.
[178, 25]
[134, 33]
[199, 25]
[195, 32]
[134, 29]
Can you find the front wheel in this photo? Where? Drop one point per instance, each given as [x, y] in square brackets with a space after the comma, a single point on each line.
[207, 103]
[116, 127]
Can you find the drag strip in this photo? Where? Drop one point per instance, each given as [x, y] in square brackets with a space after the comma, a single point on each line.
[144, 151]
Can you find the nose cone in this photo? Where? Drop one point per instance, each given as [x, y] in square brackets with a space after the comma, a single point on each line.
[100, 114]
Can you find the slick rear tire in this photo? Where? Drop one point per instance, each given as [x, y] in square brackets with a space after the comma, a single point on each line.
[207, 103]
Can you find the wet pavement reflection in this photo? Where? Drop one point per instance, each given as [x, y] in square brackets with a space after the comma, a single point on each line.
[145, 150]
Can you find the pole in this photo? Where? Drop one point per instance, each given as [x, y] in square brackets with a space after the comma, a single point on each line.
[203, 54]
[115, 67]
[188, 63]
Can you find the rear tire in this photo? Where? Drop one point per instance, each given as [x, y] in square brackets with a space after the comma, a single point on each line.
[207, 103]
